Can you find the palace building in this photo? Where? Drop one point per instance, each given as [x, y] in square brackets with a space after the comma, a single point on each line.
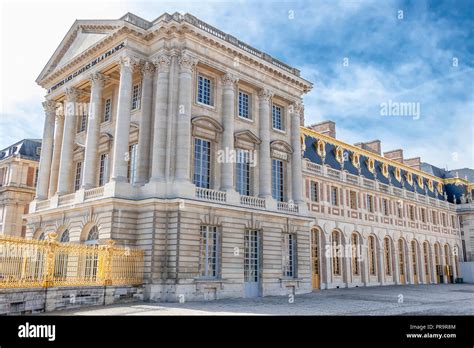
[177, 138]
[18, 175]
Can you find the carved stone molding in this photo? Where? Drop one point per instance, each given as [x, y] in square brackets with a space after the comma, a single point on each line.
[49, 107]
[147, 69]
[129, 63]
[98, 80]
[72, 94]
[265, 94]
[187, 62]
[162, 62]
[229, 80]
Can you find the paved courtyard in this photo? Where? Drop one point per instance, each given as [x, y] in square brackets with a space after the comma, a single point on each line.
[453, 299]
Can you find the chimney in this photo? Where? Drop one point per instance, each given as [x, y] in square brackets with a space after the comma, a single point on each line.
[374, 146]
[414, 162]
[327, 128]
[394, 155]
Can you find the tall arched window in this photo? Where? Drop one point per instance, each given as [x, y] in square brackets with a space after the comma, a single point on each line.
[447, 255]
[388, 256]
[93, 236]
[336, 257]
[414, 260]
[371, 254]
[355, 254]
[65, 236]
[426, 260]
[401, 257]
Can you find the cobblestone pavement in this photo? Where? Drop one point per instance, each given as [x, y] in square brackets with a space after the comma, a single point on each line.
[452, 299]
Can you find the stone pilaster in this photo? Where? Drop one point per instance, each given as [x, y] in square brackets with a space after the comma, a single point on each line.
[185, 95]
[144, 136]
[265, 164]
[122, 125]
[46, 150]
[161, 123]
[93, 131]
[58, 140]
[228, 112]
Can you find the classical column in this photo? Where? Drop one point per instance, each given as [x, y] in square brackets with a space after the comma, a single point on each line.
[46, 150]
[161, 123]
[265, 164]
[122, 125]
[58, 140]
[185, 95]
[65, 163]
[228, 112]
[296, 170]
[93, 131]
[143, 154]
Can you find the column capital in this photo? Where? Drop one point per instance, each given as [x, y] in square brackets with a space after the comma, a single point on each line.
[162, 62]
[296, 108]
[49, 107]
[265, 94]
[147, 69]
[229, 80]
[128, 63]
[98, 80]
[187, 62]
[72, 94]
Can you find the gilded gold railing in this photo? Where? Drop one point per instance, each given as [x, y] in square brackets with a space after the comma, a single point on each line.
[26, 263]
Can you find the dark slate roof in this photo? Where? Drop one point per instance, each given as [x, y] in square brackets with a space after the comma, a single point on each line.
[26, 148]
[463, 173]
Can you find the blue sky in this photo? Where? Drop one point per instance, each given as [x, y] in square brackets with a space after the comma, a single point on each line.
[408, 60]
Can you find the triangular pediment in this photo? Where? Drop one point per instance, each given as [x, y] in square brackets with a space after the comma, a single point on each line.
[83, 35]
[248, 136]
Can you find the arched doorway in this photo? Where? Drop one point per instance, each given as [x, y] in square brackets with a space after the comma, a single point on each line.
[414, 260]
[316, 258]
[447, 261]
[438, 267]
[427, 261]
[401, 261]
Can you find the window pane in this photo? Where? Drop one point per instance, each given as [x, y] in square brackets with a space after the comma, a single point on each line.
[204, 90]
[244, 105]
[209, 252]
[277, 122]
[277, 180]
[202, 163]
[243, 172]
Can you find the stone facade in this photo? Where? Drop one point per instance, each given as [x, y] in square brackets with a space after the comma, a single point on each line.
[18, 174]
[150, 161]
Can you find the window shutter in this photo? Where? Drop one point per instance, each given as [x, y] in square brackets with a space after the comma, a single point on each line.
[30, 176]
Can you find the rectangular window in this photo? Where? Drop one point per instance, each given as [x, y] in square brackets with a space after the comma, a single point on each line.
[104, 169]
[334, 196]
[314, 191]
[132, 163]
[244, 105]
[443, 219]
[411, 212]
[370, 203]
[36, 177]
[277, 180]
[82, 122]
[453, 221]
[242, 177]
[385, 206]
[205, 90]
[353, 200]
[202, 163]
[136, 96]
[77, 179]
[399, 211]
[277, 117]
[208, 266]
[423, 215]
[434, 216]
[289, 255]
[107, 110]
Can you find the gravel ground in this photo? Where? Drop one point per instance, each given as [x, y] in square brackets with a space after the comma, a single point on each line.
[452, 299]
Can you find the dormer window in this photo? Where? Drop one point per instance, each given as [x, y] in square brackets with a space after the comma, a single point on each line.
[355, 157]
[398, 174]
[420, 181]
[385, 170]
[339, 154]
[321, 148]
[371, 165]
[409, 177]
